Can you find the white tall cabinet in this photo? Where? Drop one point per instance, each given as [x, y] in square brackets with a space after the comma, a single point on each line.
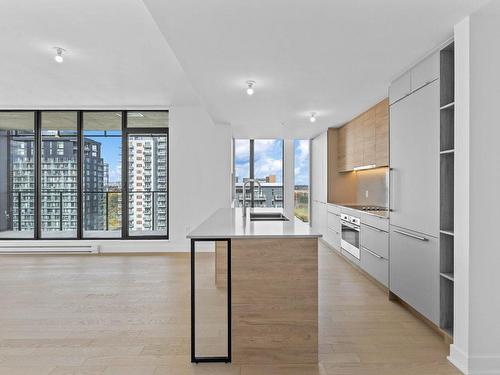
[319, 178]
[414, 187]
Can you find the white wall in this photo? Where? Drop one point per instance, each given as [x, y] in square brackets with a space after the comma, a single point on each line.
[477, 336]
[199, 172]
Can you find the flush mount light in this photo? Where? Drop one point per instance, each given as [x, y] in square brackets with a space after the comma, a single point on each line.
[59, 54]
[313, 117]
[250, 85]
[363, 167]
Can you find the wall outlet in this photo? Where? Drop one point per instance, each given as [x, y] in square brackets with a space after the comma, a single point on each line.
[366, 193]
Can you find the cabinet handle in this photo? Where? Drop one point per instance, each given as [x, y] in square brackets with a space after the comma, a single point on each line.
[372, 253]
[411, 235]
[373, 228]
[392, 188]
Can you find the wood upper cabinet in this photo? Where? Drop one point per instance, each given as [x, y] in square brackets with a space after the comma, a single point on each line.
[382, 133]
[365, 139]
[341, 149]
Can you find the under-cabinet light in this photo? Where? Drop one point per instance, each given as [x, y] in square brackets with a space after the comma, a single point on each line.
[363, 167]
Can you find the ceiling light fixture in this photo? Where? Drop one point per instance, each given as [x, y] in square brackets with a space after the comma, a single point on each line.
[250, 85]
[313, 117]
[59, 54]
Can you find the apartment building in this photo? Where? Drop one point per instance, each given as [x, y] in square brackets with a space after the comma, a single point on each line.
[147, 183]
[59, 184]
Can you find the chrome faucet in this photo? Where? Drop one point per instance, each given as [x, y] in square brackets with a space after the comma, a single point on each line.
[245, 195]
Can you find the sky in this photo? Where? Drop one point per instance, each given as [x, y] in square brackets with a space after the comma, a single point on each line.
[268, 155]
[111, 153]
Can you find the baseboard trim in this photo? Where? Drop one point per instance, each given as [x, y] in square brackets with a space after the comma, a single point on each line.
[458, 359]
[474, 365]
[48, 249]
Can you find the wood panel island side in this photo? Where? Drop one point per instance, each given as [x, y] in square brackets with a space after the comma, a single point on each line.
[269, 271]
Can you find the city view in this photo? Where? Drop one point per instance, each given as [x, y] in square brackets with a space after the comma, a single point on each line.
[267, 168]
[101, 180]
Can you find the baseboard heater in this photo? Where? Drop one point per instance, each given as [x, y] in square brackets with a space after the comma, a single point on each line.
[49, 249]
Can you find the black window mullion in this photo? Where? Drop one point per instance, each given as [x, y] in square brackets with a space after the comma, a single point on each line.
[125, 176]
[79, 175]
[38, 174]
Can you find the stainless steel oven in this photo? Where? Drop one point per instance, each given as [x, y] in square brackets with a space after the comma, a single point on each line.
[350, 234]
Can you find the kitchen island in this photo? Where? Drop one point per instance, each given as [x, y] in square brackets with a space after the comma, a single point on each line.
[269, 269]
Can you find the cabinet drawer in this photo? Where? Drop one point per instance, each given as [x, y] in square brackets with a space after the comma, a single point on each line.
[376, 266]
[334, 209]
[400, 88]
[425, 72]
[333, 221]
[375, 221]
[333, 238]
[375, 240]
[414, 271]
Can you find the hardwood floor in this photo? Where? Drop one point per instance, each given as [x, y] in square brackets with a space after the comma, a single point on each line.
[127, 315]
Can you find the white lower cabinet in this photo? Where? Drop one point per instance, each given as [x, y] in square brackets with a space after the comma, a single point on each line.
[333, 226]
[318, 217]
[414, 271]
[374, 243]
[375, 240]
[375, 265]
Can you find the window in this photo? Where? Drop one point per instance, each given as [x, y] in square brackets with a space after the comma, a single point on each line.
[58, 191]
[102, 191]
[301, 179]
[84, 180]
[17, 175]
[262, 160]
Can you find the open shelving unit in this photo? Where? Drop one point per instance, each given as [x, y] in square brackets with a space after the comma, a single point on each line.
[447, 186]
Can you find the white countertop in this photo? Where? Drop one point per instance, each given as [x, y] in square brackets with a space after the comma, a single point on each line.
[229, 223]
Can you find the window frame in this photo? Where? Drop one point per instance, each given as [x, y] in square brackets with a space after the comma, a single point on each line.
[37, 160]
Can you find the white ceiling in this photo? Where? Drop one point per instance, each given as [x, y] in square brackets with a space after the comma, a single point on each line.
[116, 58]
[333, 57]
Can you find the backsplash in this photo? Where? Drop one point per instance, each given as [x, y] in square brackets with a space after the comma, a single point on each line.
[376, 183]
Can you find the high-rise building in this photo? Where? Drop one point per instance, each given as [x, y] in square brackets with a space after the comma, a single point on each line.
[59, 181]
[96, 176]
[147, 183]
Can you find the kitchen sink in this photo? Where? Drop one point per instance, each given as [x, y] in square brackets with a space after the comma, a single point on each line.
[267, 216]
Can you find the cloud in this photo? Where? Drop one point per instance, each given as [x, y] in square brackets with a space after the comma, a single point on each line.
[269, 167]
[115, 173]
[301, 162]
[241, 148]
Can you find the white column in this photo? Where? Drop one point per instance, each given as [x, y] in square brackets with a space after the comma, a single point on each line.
[476, 348]
[460, 346]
